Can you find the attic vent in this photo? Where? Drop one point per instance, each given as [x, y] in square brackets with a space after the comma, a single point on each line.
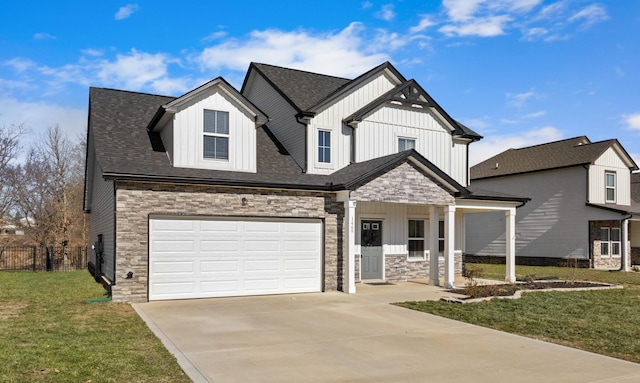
[497, 165]
[579, 143]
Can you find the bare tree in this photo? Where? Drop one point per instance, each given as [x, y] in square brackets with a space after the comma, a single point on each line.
[9, 149]
[49, 189]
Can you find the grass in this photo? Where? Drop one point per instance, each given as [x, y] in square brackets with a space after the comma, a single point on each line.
[50, 333]
[605, 321]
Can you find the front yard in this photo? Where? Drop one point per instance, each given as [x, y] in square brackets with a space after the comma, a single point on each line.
[605, 322]
[50, 333]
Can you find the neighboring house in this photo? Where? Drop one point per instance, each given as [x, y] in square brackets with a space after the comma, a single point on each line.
[581, 203]
[301, 182]
[634, 227]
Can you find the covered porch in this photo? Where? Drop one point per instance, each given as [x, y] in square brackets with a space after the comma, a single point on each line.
[397, 242]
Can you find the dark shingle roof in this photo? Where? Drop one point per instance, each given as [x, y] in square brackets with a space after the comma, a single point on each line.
[558, 154]
[303, 89]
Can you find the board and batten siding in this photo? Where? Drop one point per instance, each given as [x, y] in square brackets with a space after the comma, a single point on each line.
[102, 220]
[330, 119]
[459, 162]
[188, 135]
[282, 122]
[555, 223]
[395, 225]
[609, 161]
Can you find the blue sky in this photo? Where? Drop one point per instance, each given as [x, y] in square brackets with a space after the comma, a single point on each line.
[519, 72]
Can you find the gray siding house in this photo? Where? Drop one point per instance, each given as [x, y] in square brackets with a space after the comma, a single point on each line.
[581, 204]
[300, 182]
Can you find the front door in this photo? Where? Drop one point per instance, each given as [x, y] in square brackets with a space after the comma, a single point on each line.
[371, 245]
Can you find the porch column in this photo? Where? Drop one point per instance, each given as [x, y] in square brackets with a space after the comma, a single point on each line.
[510, 241]
[434, 221]
[449, 244]
[350, 241]
[625, 259]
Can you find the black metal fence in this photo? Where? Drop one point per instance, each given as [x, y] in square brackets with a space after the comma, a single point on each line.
[32, 258]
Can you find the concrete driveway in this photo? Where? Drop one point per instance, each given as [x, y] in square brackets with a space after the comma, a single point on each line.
[335, 337]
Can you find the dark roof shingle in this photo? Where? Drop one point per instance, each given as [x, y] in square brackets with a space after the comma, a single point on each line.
[558, 154]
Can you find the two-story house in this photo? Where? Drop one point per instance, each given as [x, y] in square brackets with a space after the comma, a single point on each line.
[300, 182]
[581, 204]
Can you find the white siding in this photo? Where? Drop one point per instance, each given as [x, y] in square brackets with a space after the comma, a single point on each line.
[609, 161]
[166, 134]
[378, 135]
[282, 122]
[395, 225]
[555, 223]
[459, 162]
[331, 119]
[188, 135]
[102, 219]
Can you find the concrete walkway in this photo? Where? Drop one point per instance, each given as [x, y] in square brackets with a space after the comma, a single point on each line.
[335, 337]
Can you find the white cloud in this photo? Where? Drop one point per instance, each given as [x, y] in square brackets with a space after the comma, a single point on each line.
[461, 10]
[126, 11]
[632, 121]
[425, 22]
[38, 116]
[345, 53]
[485, 27]
[19, 64]
[92, 52]
[386, 13]
[590, 15]
[43, 36]
[537, 114]
[495, 144]
[367, 5]
[215, 36]
[518, 100]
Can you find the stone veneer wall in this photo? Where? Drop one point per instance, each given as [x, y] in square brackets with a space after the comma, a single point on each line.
[136, 201]
[399, 269]
[599, 261]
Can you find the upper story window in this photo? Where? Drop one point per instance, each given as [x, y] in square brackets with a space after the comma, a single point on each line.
[610, 186]
[216, 134]
[324, 146]
[406, 144]
[416, 239]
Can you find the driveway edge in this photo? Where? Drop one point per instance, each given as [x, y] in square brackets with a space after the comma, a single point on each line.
[183, 361]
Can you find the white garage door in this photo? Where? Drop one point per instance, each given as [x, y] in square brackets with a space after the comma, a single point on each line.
[202, 258]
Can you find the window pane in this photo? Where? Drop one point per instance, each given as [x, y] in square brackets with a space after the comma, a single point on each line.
[604, 234]
[615, 248]
[441, 229]
[216, 147]
[222, 122]
[441, 245]
[416, 228]
[324, 146]
[611, 179]
[615, 234]
[604, 248]
[611, 194]
[222, 148]
[210, 121]
[406, 144]
[416, 248]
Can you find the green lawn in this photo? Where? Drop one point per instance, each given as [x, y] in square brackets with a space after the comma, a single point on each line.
[49, 333]
[605, 321]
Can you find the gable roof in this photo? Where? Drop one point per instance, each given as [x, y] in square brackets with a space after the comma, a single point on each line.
[174, 105]
[553, 155]
[410, 93]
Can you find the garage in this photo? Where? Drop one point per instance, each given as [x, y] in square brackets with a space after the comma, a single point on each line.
[199, 257]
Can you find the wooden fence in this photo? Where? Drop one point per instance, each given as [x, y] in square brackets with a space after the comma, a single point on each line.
[32, 258]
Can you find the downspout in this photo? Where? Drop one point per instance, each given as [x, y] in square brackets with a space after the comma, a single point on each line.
[299, 117]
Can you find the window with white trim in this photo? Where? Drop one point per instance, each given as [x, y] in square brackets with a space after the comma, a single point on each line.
[610, 241]
[406, 144]
[216, 135]
[610, 186]
[416, 239]
[324, 146]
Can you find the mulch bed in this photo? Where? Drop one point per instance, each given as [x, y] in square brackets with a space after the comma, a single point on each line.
[505, 290]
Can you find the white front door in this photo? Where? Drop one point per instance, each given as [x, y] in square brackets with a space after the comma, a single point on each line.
[371, 247]
[217, 257]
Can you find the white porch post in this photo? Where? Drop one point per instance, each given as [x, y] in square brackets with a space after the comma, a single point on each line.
[350, 240]
[510, 241]
[449, 244]
[626, 257]
[434, 221]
